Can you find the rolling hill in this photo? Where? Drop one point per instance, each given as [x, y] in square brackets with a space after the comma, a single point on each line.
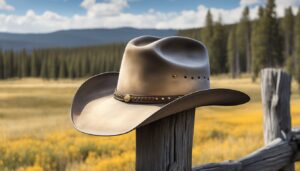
[76, 38]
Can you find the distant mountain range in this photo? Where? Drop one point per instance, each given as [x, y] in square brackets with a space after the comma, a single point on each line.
[76, 38]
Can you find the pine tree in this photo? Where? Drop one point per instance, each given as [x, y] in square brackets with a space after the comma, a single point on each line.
[274, 45]
[77, 68]
[44, 69]
[217, 49]
[33, 65]
[266, 44]
[17, 60]
[232, 54]
[24, 64]
[207, 34]
[207, 31]
[288, 33]
[1, 64]
[51, 67]
[244, 40]
[297, 46]
[260, 12]
[71, 69]
[8, 64]
[62, 69]
[83, 66]
[258, 44]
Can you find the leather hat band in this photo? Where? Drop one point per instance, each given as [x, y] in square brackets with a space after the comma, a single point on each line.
[128, 98]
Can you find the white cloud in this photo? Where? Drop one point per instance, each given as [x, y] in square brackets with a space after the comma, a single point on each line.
[87, 3]
[286, 3]
[283, 4]
[111, 7]
[110, 14]
[249, 2]
[5, 6]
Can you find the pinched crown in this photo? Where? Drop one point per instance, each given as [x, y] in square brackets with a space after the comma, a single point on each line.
[163, 67]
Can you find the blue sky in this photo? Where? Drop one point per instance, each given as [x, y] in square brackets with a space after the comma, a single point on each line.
[50, 15]
[71, 7]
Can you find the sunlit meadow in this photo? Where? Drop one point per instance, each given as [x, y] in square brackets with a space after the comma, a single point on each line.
[36, 132]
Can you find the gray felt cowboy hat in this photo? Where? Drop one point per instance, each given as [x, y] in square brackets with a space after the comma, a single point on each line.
[158, 77]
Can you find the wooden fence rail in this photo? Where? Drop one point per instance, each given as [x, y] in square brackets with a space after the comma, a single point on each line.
[275, 156]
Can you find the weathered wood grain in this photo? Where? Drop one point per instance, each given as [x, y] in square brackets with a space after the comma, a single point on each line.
[272, 157]
[276, 90]
[166, 145]
[223, 166]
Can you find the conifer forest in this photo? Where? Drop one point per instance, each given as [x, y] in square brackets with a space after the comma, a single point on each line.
[243, 47]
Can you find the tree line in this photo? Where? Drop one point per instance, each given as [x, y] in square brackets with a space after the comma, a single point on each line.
[248, 46]
[61, 62]
[244, 47]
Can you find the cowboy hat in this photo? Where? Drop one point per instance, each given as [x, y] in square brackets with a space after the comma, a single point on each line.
[158, 77]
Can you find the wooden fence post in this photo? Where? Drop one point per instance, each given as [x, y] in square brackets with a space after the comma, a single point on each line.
[276, 90]
[166, 145]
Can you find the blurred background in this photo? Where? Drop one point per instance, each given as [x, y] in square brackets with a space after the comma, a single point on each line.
[48, 48]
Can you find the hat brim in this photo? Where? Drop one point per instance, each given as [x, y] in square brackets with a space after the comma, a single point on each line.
[95, 111]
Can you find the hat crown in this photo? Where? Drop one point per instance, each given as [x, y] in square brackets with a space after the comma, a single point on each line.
[153, 66]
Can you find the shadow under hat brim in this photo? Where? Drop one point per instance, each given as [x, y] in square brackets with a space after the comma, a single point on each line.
[95, 111]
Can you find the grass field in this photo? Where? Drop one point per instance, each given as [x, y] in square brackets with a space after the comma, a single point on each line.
[36, 132]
